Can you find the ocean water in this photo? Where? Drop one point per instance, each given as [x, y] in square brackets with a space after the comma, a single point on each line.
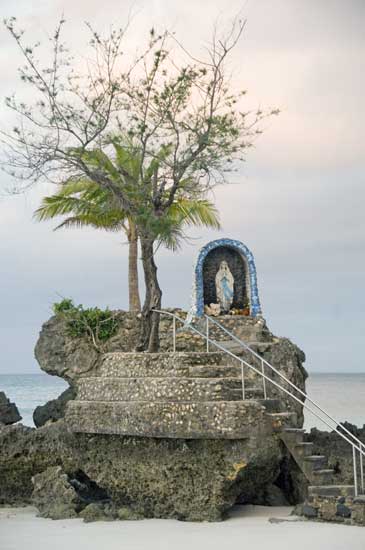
[342, 395]
[28, 391]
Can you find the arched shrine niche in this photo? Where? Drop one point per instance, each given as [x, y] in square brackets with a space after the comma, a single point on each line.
[225, 280]
[225, 264]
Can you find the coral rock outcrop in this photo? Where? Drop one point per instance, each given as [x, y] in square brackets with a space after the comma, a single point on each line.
[9, 413]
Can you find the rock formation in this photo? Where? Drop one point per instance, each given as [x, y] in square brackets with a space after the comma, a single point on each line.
[106, 476]
[337, 450]
[73, 358]
[9, 413]
[167, 478]
[54, 409]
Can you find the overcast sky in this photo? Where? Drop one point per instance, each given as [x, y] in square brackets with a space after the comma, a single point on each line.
[299, 204]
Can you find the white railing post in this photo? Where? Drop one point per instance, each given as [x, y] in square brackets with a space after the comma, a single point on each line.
[174, 334]
[355, 469]
[263, 379]
[358, 444]
[207, 333]
[243, 380]
[362, 471]
[318, 412]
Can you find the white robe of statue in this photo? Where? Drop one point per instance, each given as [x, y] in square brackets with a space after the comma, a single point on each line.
[224, 286]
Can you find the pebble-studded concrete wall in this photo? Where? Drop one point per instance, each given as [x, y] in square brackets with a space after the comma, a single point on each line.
[187, 395]
[248, 329]
[201, 420]
[159, 389]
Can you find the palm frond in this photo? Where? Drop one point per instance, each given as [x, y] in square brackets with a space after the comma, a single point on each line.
[197, 212]
[173, 238]
[96, 222]
[86, 201]
[128, 159]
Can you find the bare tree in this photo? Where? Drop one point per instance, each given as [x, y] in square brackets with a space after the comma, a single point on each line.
[173, 114]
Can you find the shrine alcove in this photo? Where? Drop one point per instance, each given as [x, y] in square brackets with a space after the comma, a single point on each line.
[225, 276]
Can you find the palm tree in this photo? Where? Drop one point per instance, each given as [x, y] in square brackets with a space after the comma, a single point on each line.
[85, 203]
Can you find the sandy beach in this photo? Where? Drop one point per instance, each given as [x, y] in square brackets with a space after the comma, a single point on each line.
[249, 527]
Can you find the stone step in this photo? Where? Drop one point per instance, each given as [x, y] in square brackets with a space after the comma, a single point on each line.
[214, 371]
[241, 352]
[271, 405]
[168, 389]
[331, 490]
[253, 392]
[316, 462]
[281, 420]
[141, 364]
[292, 436]
[323, 477]
[234, 346]
[311, 464]
[204, 420]
[237, 349]
[303, 449]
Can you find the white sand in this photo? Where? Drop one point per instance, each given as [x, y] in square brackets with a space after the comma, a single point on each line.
[248, 529]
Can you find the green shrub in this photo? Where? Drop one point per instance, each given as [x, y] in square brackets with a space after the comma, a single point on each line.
[63, 306]
[97, 324]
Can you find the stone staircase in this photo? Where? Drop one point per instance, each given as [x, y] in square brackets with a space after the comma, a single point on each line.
[326, 499]
[197, 395]
[314, 468]
[190, 395]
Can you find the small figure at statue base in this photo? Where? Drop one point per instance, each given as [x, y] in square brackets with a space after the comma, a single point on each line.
[214, 310]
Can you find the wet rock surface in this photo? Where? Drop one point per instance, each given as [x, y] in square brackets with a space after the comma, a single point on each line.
[9, 413]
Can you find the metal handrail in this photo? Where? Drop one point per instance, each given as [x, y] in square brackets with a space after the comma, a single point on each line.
[244, 345]
[360, 446]
[206, 336]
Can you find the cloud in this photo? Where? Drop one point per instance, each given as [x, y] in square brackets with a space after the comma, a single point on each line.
[297, 202]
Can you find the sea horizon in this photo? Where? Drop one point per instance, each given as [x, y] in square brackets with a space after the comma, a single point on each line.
[342, 394]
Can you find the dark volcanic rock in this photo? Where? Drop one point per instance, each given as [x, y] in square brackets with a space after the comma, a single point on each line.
[166, 478]
[288, 359]
[337, 450]
[61, 355]
[291, 480]
[25, 452]
[53, 410]
[9, 413]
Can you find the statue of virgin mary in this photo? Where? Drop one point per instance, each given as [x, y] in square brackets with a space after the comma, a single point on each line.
[224, 286]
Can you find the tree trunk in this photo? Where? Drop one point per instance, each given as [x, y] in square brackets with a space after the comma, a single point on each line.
[149, 340]
[134, 299]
